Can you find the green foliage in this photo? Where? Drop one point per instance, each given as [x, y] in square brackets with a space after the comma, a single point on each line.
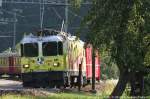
[120, 25]
[147, 85]
[75, 3]
[110, 72]
[109, 69]
[147, 56]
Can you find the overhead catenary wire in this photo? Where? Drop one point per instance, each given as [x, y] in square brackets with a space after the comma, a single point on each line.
[12, 12]
[47, 2]
[58, 15]
[5, 36]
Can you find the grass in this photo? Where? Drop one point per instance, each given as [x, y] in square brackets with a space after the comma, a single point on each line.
[54, 96]
[64, 96]
[104, 92]
[69, 95]
[106, 88]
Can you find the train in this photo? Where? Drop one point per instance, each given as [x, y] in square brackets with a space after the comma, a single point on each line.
[10, 63]
[51, 58]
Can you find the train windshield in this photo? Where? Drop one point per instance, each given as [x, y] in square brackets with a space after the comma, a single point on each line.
[52, 48]
[29, 50]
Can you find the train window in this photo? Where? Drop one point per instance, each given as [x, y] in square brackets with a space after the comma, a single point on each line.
[0, 60]
[4, 61]
[21, 49]
[17, 61]
[30, 50]
[49, 48]
[60, 48]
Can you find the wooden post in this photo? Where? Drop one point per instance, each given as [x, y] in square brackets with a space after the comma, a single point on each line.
[79, 77]
[93, 71]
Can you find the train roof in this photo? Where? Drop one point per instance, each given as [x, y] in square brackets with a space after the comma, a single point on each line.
[8, 54]
[49, 35]
[74, 38]
[34, 39]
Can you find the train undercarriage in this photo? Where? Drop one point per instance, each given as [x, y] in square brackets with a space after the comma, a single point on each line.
[51, 79]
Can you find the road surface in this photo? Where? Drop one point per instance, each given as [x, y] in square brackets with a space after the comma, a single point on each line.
[10, 85]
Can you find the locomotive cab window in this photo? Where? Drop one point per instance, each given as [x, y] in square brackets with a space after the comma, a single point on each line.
[60, 48]
[52, 48]
[29, 50]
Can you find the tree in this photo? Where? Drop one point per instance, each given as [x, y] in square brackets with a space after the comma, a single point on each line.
[147, 57]
[109, 69]
[121, 26]
[147, 63]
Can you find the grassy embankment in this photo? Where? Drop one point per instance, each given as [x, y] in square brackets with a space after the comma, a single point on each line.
[54, 96]
[103, 93]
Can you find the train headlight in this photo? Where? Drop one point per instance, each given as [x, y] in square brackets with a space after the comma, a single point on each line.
[56, 64]
[26, 66]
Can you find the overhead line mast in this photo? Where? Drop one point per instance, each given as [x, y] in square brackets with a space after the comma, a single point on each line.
[42, 13]
[14, 21]
[14, 34]
[66, 17]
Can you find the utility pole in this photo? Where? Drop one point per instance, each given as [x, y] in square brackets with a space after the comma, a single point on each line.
[42, 4]
[14, 33]
[66, 16]
[80, 77]
[93, 70]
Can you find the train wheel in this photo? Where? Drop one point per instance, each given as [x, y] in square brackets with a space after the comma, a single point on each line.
[73, 80]
[67, 82]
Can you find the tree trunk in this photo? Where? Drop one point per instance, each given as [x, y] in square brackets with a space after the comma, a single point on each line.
[137, 85]
[121, 85]
[135, 80]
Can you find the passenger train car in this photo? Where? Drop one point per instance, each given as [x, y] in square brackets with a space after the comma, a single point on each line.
[10, 63]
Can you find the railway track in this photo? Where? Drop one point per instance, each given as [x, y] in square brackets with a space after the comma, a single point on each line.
[15, 87]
